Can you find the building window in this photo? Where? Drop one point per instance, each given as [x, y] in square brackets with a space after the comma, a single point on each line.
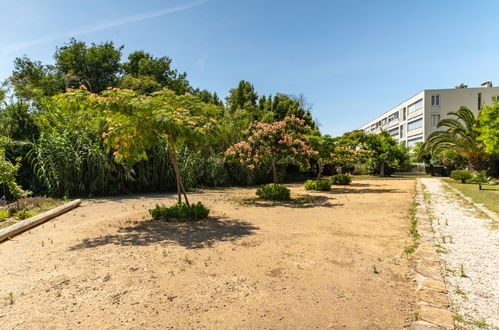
[373, 127]
[479, 101]
[383, 122]
[403, 115]
[412, 142]
[418, 123]
[393, 131]
[402, 131]
[435, 100]
[434, 120]
[415, 106]
[393, 116]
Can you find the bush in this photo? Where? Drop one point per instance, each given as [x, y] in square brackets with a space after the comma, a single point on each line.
[321, 185]
[461, 175]
[340, 179]
[4, 214]
[479, 178]
[180, 211]
[23, 214]
[274, 192]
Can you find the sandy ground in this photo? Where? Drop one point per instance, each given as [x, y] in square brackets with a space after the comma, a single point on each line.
[333, 262]
[470, 254]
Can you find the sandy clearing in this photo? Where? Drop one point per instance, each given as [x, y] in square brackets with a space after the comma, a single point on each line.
[106, 265]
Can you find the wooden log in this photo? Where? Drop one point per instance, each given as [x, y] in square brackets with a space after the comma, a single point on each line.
[36, 220]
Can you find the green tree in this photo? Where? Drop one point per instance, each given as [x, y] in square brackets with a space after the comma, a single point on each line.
[243, 97]
[387, 155]
[32, 80]
[8, 173]
[96, 66]
[136, 123]
[460, 135]
[323, 144]
[488, 128]
[147, 74]
[18, 122]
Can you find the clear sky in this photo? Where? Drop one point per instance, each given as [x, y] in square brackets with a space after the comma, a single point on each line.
[351, 59]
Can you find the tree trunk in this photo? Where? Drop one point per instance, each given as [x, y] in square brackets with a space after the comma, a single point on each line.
[320, 166]
[176, 169]
[476, 164]
[479, 186]
[274, 171]
[382, 169]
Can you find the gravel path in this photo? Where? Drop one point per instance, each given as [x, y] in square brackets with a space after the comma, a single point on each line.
[468, 247]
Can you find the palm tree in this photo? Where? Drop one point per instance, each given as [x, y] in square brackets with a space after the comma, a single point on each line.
[461, 136]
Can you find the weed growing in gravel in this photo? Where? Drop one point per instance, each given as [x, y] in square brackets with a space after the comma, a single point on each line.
[441, 249]
[413, 229]
[481, 323]
[461, 271]
[10, 298]
[459, 291]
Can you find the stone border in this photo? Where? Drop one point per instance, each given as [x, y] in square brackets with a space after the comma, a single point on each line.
[36, 220]
[480, 207]
[433, 311]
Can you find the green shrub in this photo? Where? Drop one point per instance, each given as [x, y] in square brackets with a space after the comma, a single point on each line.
[321, 185]
[479, 178]
[4, 214]
[274, 192]
[340, 179]
[180, 211]
[461, 175]
[23, 214]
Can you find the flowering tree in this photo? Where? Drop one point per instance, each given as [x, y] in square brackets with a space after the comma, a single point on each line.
[273, 142]
[133, 123]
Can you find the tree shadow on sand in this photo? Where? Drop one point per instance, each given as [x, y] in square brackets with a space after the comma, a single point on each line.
[190, 234]
[347, 190]
[297, 201]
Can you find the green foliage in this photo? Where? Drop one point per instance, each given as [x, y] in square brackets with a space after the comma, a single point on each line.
[461, 175]
[4, 214]
[32, 80]
[17, 122]
[479, 178]
[96, 66]
[146, 74]
[461, 135]
[274, 192]
[76, 153]
[321, 185]
[387, 155]
[340, 179]
[180, 211]
[8, 173]
[488, 120]
[23, 214]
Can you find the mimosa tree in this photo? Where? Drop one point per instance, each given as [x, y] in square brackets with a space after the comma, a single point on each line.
[134, 123]
[274, 142]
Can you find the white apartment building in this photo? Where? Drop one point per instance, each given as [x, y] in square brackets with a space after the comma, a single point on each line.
[414, 119]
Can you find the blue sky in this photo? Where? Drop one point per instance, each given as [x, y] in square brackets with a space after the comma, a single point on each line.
[351, 59]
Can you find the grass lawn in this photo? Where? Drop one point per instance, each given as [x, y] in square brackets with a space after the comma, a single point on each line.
[488, 196]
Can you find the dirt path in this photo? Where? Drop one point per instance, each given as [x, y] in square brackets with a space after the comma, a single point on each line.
[468, 246]
[334, 262]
